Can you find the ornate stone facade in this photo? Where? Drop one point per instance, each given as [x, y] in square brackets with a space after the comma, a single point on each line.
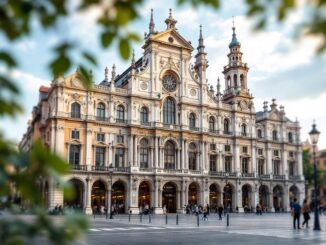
[171, 138]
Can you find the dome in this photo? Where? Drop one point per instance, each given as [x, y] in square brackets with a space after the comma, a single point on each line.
[234, 41]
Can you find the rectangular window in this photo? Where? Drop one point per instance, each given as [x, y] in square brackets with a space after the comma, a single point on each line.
[261, 166]
[74, 154]
[75, 134]
[212, 147]
[276, 167]
[120, 139]
[100, 137]
[276, 153]
[245, 149]
[260, 151]
[245, 165]
[212, 163]
[227, 148]
[192, 160]
[119, 157]
[228, 164]
[291, 168]
[291, 154]
[100, 156]
[143, 157]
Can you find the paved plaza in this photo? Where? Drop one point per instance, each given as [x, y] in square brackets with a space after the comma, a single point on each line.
[243, 229]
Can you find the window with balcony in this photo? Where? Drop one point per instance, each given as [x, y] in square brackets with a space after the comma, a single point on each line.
[245, 149]
[260, 151]
[120, 114]
[276, 167]
[291, 168]
[100, 137]
[99, 156]
[212, 163]
[227, 148]
[290, 137]
[259, 133]
[75, 110]
[120, 139]
[244, 129]
[227, 163]
[261, 166]
[291, 154]
[144, 115]
[226, 126]
[212, 125]
[75, 134]
[212, 147]
[245, 165]
[119, 157]
[192, 121]
[74, 154]
[169, 111]
[169, 155]
[276, 153]
[192, 156]
[144, 153]
[274, 135]
[100, 111]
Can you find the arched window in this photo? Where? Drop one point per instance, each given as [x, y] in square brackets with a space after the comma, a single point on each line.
[144, 153]
[192, 155]
[120, 114]
[144, 115]
[242, 81]
[290, 137]
[212, 125]
[243, 129]
[226, 126]
[235, 80]
[75, 110]
[192, 121]
[100, 111]
[259, 134]
[274, 134]
[169, 155]
[169, 111]
[228, 79]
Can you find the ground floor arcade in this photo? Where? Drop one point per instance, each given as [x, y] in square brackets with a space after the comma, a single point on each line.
[171, 193]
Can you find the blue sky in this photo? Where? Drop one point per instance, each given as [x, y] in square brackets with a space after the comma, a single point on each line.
[280, 67]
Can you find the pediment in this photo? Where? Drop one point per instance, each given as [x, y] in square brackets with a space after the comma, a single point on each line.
[275, 115]
[171, 37]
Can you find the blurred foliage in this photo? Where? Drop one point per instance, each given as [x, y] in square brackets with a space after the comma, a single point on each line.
[24, 170]
[308, 170]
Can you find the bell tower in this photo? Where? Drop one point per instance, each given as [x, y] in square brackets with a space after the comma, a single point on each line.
[235, 73]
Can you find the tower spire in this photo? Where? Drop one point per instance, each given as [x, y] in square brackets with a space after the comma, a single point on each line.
[106, 74]
[133, 62]
[234, 41]
[113, 73]
[151, 24]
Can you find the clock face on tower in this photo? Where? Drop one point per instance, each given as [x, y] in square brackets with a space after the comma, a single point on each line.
[170, 82]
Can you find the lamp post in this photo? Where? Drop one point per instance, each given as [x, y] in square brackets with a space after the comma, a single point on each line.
[110, 196]
[314, 135]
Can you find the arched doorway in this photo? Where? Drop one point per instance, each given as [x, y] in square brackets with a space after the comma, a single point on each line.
[118, 197]
[169, 200]
[227, 197]
[99, 195]
[77, 200]
[214, 197]
[278, 198]
[293, 193]
[246, 199]
[144, 195]
[193, 193]
[263, 197]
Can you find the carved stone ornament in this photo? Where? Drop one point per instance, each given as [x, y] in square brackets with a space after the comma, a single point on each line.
[144, 85]
[193, 92]
[75, 96]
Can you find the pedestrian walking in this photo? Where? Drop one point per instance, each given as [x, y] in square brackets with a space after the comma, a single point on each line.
[296, 211]
[305, 212]
[205, 213]
[220, 211]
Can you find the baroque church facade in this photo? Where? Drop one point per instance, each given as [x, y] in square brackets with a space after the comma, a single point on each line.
[170, 138]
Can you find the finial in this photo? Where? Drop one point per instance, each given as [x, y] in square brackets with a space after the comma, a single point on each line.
[200, 32]
[200, 41]
[133, 59]
[113, 73]
[151, 24]
[218, 86]
[170, 13]
[106, 74]
[234, 41]
[170, 22]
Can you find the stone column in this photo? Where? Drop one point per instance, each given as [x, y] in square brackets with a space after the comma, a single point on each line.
[179, 208]
[183, 154]
[88, 148]
[239, 197]
[186, 156]
[284, 163]
[237, 158]
[285, 197]
[161, 162]
[178, 159]
[183, 199]
[269, 161]
[135, 152]
[156, 153]
[88, 191]
[109, 201]
[253, 160]
[151, 165]
[186, 193]
[131, 150]
[299, 163]
[271, 201]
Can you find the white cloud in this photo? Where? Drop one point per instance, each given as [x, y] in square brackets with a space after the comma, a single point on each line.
[26, 45]
[28, 82]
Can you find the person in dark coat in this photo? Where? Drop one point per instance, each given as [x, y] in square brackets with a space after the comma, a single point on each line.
[220, 211]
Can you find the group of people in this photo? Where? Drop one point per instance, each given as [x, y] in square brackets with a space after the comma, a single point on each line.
[297, 210]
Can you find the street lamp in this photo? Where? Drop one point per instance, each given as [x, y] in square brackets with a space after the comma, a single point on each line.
[314, 135]
[110, 196]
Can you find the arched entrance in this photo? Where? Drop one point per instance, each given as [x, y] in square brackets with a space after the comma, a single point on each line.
[227, 197]
[118, 197]
[169, 200]
[293, 193]
[77, 200]
[246, 199]
[214, 197]
[144, 195]
[99, 195]
[278, 198]
[263, 197]
[193, 193]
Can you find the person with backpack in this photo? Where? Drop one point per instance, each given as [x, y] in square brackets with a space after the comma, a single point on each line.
[296, 211]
